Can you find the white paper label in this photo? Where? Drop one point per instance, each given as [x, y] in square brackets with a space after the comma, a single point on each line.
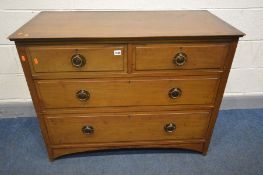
[117, 52]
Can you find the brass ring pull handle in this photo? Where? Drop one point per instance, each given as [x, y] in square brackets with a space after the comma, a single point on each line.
[88, 130]
[170, 127]
[78, 60]
[175, 93]
[83, 95]
[180, 59]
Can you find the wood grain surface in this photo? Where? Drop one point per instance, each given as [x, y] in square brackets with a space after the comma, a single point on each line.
[129, 24]
[126, 92]
[198, 56]
[99, 58]
[67, 129]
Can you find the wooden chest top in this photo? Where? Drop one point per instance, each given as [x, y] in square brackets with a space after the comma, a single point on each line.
[124, 24]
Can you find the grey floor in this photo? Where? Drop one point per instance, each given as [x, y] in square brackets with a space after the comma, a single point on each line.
[236, 149]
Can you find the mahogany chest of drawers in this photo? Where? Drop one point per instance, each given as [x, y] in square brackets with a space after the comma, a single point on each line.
[107, 80]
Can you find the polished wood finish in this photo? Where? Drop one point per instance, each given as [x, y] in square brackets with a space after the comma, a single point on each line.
[151, 24]
[99, 58]
[127, 92]
[66, 129]
[125, 99]
[160, 56]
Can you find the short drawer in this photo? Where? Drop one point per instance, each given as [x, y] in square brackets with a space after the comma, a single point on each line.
[79, 58]
[126, 92]
[179, 56]
[69, 129]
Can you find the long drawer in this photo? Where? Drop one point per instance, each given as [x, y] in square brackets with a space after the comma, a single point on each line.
[126, 92]
[77, 58]
[74, 129]
[150, 57]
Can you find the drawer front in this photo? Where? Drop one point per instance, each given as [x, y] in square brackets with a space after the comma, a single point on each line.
[179, 56]
[130, 92]
[135, 127]
[91, 58]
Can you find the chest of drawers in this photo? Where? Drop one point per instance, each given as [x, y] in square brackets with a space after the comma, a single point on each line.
[107, 80]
